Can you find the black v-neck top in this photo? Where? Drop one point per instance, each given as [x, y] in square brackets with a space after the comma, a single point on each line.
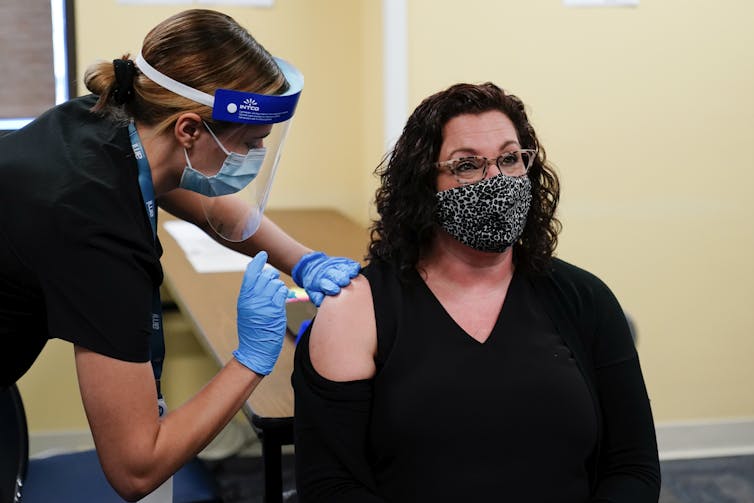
[542, 411]
[454, 419]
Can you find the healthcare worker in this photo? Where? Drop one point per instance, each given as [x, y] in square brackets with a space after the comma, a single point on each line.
[194, 124]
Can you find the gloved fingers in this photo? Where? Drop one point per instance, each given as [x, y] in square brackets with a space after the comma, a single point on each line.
[342, 270]
[338, 277]
[329, 287]
[350, 267]
[266, 277]
[269, 289]
[253, 270]
[315, 297]
[273, 272]
[279, 297]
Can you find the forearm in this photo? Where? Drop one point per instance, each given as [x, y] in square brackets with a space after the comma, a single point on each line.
[629, 469]
[321, 476]
[185, 431]
[137, 449]
[283, 250]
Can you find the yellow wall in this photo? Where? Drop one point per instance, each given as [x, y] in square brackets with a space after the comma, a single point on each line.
[646, 112]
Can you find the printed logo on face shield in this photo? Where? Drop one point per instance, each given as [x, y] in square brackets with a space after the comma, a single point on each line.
[250, 104]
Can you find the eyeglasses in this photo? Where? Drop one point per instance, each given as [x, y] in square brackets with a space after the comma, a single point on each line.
[473, 169]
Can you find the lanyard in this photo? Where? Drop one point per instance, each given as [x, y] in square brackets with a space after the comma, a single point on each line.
[157, 341]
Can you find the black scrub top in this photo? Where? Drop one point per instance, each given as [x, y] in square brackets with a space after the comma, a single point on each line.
[77, 258]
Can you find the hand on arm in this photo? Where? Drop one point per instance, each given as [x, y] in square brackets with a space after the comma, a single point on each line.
[321, 275]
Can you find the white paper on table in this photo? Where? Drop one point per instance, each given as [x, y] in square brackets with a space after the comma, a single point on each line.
[204, 253]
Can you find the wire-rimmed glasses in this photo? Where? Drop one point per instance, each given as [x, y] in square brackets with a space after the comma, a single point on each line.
[473, 168]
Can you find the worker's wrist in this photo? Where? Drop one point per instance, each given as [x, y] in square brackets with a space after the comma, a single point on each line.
[260, 368]
[300, 268]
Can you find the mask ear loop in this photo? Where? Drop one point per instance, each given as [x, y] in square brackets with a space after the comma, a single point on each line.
[217, 140]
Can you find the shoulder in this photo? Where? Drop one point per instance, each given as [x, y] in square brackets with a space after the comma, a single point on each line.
[379, 272]
[343, 338]
[70, 165]
[77, 126]
[563, 271]
[591, 304]
[572, 281]
[71, 135]
[574, 286]
[68, 116]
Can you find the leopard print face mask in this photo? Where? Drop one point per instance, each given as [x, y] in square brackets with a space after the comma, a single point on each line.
[489, 215]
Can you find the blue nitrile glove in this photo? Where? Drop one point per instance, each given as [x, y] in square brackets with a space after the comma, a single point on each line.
[321, 275]
[261, 316]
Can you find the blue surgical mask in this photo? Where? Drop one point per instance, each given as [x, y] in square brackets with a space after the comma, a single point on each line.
[237, 172]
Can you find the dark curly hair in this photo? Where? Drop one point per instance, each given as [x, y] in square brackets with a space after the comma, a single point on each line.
[406, 199]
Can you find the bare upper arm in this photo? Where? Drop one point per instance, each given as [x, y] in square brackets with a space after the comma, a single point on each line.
[120, 402]
[343, 340]
[119, 397]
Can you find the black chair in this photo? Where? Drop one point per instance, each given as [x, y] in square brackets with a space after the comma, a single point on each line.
[74, 477]
[15, 444]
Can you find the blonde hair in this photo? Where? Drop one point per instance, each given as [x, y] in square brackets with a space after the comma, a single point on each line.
[203, 49]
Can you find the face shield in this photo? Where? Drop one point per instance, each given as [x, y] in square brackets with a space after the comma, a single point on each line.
[234, 210]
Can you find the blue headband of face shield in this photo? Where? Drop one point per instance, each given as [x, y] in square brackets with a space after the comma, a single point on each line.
[238, 106]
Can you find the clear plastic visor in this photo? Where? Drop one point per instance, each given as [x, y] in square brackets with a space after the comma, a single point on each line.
[237, 216]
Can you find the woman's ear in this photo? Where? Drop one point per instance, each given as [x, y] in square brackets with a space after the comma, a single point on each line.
[187, 129]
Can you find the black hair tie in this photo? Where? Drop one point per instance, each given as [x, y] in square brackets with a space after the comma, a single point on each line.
[125, 71]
